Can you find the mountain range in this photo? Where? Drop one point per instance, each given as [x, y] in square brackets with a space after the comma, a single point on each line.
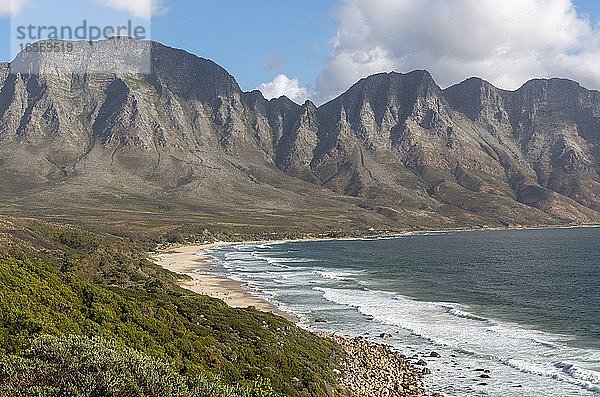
[394, 151]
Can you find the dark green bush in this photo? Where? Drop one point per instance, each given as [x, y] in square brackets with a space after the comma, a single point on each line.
[83, 367]
[110, 290]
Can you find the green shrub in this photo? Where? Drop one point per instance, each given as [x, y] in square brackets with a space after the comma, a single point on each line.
[110, 290]
[82, 367]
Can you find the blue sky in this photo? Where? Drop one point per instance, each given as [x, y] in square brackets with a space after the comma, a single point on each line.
[254, 40]
[259, 40]
[589, 7]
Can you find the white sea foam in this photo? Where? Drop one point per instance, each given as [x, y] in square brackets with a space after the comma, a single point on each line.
[453, 310]
[589, 378]
[339, 275]
[279, 261]
[445, 325]
[523, 362]
[569, 373]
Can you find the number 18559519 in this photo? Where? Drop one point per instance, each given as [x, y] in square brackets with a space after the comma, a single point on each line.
[46, 47]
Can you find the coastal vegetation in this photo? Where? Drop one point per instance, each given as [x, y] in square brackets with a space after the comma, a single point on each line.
[88, 309]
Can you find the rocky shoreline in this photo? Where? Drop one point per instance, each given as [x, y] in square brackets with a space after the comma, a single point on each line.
[372, 369]
[369, 368]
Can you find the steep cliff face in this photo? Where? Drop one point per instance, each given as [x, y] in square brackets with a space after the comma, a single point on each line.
[551, 128]
[394, 149]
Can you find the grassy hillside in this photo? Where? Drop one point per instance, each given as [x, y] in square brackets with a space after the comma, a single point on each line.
[67, 282]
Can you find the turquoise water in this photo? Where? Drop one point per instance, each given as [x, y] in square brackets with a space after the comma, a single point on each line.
[523, 304]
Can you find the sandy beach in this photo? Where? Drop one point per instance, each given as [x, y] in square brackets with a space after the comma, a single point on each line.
[193, 261]
[382, 371]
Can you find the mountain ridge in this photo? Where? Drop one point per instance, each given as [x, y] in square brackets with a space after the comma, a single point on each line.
[393, 150]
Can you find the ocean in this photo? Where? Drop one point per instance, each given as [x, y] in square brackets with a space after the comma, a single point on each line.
[521, 304]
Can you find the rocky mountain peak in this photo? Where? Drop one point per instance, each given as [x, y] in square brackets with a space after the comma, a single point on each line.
[191, 77]
[476, 98]
[386, 96]
[557, 95]
[114, 56]
[180, 72]
[309, 105]
[394, 145]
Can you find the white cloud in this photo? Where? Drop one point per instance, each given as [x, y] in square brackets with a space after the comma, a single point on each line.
[506, 42]
[138, 8]
[11, 7]
[283, 85]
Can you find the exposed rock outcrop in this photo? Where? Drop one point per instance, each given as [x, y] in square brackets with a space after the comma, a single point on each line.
[395, 149]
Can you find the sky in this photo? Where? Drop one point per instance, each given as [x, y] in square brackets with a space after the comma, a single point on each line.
[317, 49]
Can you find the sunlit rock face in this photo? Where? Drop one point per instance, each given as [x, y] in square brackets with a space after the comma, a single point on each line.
[128, 118]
